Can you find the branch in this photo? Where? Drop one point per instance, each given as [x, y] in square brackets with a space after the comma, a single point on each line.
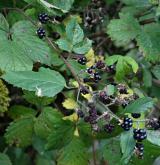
[147, 21]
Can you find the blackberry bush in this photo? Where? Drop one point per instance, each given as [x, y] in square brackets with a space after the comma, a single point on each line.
[80, 82]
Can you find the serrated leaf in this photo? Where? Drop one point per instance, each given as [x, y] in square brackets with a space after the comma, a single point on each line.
[56, 139]
[112, 147]
[140, 105]
[127, 145]
[123, 65]
[74, 153]
[147, 77]
[74, 32]
[74, 39]
[156, 71]
[149, 42]
[4, 159]
[123, 30]
[18, 111]
[153, 137]
[48, 82]
[45, 122]
[20, 47]
[38, 101]
[20, 132]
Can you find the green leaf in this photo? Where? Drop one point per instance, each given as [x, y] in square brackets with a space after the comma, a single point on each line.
[156, 71]
[61, 135]
[147, 77]
[20, 47]
[74, 32]
[83, 47]
[149, 42]
[18, 111]
[127, 145]
[153, 137]
[140, 105]
[110, 90]
[4, 159]
[20, 132]
[112, 147]
[38, 101]
[74, 39]
[44, 123]
[4, 26]
[123, 30]
[74, 153]
[123, 64]
[46, 82]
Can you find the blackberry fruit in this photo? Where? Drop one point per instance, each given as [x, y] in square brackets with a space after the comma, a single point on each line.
[83, 90]
[80, 113]
[86, 119]
[41, 33]
[96, 76]
[100, 65]
[82, 60]
[104, 97]
[139, 134]
[55, 35]
[155, 124]
[43, 18]
[127, 123]
[139, 148]
[136, 115]
[122, 89]
[59, 18]
[108, 128]
[89, 70]
[93, 112]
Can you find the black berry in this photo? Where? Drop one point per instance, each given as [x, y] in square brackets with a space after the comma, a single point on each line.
[111, 69]
[139, 134]
[100, 64]
[41, 33]
[89, 70]
[96, 76]
[43, 17]
[84, 90]
[82, 60]
[127, 123]
[122, 89]
[80, 113]
[104, 97]
[55, 35]
[136, 115]
[108, 128]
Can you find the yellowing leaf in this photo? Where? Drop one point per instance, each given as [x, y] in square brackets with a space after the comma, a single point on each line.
[69, 104]
[73, 117]
[90, 58]
[75, 84]
[87, 96]
[76, 133]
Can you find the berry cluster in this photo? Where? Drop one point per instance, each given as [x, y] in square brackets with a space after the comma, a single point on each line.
[139, 134]
[80, 113]
[108, 128]
[104, 98]
[139, 149]
[154, 123]
[82, 60]
[94, 14]
[41, 33]
[43, 17]
[127, 123]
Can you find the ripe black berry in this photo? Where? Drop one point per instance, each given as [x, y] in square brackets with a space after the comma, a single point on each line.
[122, 89]
[136, 115]
[127, 123]
[59, 18]
[86, 119]
[97, 77]
[89, 70]
[139, 134]
[43, 17]
[139, 148]
[84, 90]
[80, 113]
[41, 33]
[55, 35]
[155, 124]
[108, 128]
[82, 60]
[104, 97]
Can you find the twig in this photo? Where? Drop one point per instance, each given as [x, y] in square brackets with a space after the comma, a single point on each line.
[94, 153]
[147, 21]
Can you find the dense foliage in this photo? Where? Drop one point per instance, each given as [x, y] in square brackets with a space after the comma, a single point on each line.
[80, 82]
